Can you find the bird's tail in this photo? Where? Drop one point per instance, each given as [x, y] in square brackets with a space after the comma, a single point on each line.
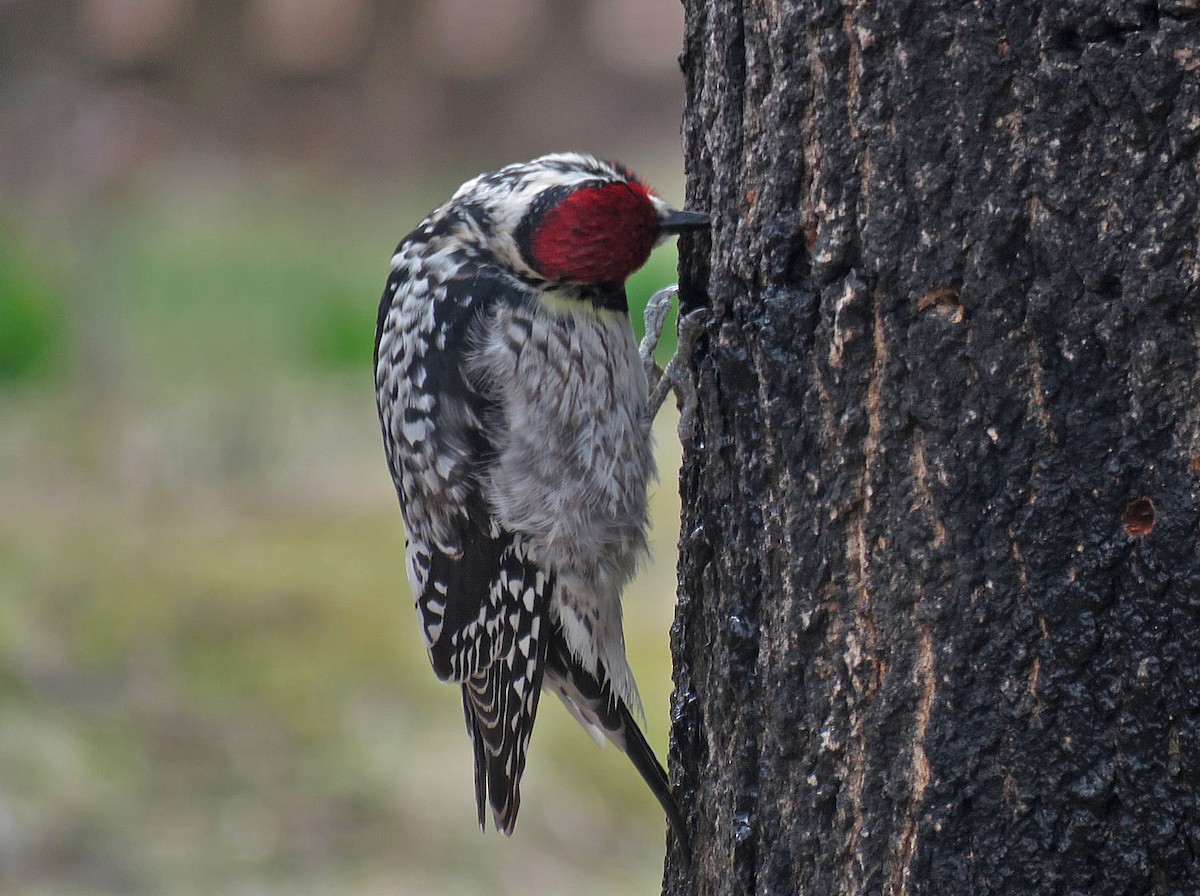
[595, 706]
[500, 705]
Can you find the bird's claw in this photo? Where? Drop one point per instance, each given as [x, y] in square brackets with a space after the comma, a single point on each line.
[676, 376]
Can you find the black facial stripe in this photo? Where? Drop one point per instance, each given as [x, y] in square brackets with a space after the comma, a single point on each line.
[542, 203]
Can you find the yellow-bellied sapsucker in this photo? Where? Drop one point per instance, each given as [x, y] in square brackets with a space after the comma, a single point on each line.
[515, 415]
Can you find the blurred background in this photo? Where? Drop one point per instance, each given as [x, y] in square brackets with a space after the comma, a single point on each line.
[210, 675]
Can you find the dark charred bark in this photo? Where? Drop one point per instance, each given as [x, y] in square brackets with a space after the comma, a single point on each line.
[939, 621]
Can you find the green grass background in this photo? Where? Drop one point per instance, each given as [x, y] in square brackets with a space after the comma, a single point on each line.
[210, 676]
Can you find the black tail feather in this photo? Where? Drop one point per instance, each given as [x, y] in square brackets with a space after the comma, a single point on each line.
[655, 776]
[593, 702]
[500, 704]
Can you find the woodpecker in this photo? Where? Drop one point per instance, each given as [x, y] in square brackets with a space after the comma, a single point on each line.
[516, 417]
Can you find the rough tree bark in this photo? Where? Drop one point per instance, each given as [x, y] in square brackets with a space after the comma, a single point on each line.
[939, 625]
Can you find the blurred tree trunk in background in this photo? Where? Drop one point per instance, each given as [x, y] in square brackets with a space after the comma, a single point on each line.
[939, 624]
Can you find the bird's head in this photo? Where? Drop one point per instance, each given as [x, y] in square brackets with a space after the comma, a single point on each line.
[569, 218]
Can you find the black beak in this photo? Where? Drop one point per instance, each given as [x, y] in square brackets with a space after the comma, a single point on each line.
[682, 222]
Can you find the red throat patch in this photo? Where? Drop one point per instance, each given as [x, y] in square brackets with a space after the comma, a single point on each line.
[596, 234]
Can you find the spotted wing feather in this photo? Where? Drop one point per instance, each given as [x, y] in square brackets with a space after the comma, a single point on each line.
[481, 602]
[434, 425]
[500, 702]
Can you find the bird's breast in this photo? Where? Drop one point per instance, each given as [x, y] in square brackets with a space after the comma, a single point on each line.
[576, 460]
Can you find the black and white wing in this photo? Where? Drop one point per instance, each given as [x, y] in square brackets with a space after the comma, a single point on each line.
[481, 603]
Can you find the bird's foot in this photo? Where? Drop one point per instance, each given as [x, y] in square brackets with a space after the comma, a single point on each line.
[676, 376]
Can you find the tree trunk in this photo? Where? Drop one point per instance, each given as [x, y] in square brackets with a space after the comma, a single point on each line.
[939, 623]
